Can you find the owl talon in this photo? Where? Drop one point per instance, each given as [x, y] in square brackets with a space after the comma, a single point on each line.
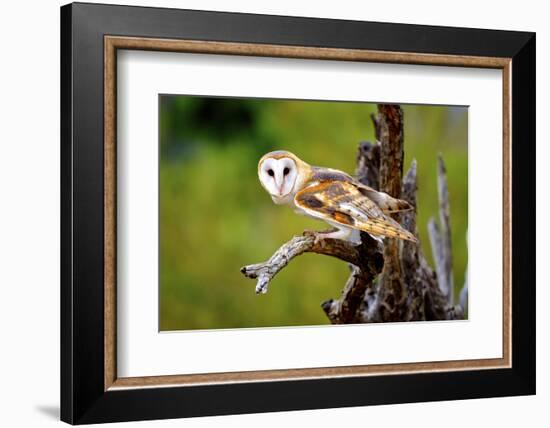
[319, 239]
[308, 232]
[342, 234]
[319, 236]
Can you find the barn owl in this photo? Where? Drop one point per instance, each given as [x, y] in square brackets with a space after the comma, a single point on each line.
[333, 196]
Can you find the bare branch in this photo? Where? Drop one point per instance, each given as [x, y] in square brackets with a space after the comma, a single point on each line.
[264, 272]
[440, 236]
[436, 244]
[445, 220]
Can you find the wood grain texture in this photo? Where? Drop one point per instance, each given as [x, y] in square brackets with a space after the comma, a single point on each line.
[389, 130]
[266, 50]
[112, 43]
[507, 213]
[297, 374]
[109, 177]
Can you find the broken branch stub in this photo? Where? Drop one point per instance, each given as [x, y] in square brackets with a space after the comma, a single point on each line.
[440, 236]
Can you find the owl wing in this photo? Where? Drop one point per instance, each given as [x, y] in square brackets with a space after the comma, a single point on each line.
[344, 203]
[387, 204]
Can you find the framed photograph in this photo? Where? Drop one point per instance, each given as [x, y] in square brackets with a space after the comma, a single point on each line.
[203, 152]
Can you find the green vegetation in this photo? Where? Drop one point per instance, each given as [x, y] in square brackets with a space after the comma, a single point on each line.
[215, 217]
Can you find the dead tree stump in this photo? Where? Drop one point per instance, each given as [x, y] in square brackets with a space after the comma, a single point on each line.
[390, 281]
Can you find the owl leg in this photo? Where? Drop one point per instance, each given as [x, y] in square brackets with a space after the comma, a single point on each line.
[344, 234]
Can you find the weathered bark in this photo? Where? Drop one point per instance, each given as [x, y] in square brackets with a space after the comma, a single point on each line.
[343, 250]
[354, 300]
[389, 132]
[368, 164]
[440, 236]
[390, 281]
[417, 274]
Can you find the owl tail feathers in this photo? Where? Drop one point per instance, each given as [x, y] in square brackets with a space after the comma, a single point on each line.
[387, 228]
[405, 234]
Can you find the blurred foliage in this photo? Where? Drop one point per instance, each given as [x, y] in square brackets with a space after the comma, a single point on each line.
[215, 217]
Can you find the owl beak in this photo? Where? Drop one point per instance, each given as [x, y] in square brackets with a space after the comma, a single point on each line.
[281, 187]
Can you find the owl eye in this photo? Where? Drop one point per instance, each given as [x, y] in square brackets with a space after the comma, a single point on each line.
[270, 172]
[286, 171]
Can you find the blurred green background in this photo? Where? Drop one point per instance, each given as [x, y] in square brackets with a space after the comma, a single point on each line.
[215, 217]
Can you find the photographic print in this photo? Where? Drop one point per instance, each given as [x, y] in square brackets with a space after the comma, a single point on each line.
[372, 197]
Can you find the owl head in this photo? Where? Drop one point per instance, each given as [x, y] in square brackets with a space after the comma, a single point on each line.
[280, 173]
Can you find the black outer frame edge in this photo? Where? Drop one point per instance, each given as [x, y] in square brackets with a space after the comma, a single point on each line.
[524, 219]
[66, 306]
[83, 398]
[299, 31]
[167, 403]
